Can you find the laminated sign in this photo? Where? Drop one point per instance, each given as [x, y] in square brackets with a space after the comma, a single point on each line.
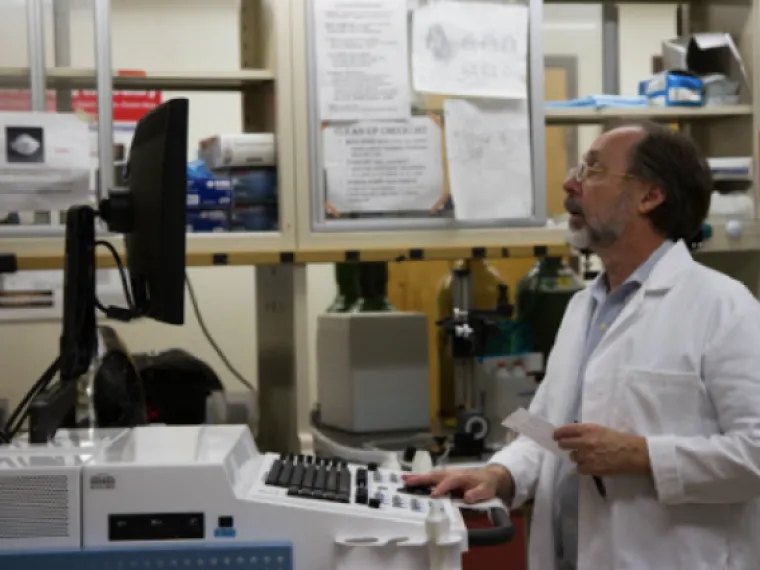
[44, 161]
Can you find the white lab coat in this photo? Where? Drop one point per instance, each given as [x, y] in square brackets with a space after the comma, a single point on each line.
[681, 366]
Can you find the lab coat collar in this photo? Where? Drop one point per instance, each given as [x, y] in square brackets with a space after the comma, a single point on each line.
[664, 273]
[669, 268]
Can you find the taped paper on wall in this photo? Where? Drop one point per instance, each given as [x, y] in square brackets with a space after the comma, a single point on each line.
[489, 159]
[535, 428]
[384, 166]
[471, 49]
[44, 161]
[361, 51]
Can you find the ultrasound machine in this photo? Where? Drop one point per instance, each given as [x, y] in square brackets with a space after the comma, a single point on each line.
[182, 497]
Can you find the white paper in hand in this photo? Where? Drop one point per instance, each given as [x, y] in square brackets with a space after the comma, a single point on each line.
[537, 429]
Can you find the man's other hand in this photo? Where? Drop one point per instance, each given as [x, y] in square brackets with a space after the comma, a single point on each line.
[601, 451]
[474, 485]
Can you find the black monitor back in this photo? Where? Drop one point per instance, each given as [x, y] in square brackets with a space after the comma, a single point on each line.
[157, 182]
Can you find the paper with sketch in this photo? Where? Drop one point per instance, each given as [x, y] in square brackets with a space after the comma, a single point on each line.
[471, 49]
[44, 161]
[361, 59]
[488, 154]
[535, 428]
[384, 166]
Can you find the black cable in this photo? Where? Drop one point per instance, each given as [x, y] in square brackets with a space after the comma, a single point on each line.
[124, 314]
[210, 339]
[20, 413]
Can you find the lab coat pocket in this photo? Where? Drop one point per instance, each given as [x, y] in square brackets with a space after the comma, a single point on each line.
[653, 402]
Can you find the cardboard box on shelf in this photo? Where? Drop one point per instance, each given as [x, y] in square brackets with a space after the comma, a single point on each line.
[715, 59]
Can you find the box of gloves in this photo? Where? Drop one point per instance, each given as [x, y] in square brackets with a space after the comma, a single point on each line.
[673, 89]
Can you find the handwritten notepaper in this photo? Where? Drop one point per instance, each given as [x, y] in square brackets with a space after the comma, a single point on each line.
[489, 159]
[361, 54]
[535, 428]
[384, 166]
[473, 49]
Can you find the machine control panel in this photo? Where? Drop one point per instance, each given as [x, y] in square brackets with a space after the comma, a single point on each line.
[312, 477]
[335, 480]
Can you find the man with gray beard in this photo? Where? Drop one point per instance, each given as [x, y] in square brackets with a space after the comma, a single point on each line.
[653, 382]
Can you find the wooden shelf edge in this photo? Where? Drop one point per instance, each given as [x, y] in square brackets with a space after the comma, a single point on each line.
[48, 254]
[84, 78]
[569, 116]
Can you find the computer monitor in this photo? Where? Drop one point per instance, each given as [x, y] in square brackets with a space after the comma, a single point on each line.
[155, 242]
[151, 213]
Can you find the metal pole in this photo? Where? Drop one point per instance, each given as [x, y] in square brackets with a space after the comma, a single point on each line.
[610, 49]
[35, 25]
[62, 49]
[464, 368]
[105, 95]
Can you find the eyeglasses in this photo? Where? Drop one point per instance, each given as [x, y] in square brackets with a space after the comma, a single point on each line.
[582, 171]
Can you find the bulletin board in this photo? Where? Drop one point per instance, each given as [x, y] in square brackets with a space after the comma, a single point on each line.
[426, 114]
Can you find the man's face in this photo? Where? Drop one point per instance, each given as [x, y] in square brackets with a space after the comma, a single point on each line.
[602, 203]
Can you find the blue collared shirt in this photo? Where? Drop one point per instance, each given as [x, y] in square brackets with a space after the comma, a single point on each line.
[606, 307]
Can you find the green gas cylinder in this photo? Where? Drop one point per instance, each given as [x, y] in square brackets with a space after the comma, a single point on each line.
[373, 288]
[347, 284]
[542, 297]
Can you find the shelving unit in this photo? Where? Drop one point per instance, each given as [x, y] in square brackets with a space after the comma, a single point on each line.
[273, 64]
[721, 131]
[264, 77]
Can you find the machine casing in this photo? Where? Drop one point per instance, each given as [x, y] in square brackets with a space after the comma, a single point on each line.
[373, 371]
[40, 490]
[153, 487]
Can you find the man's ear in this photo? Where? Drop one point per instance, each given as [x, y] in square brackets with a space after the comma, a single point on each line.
[652, 196]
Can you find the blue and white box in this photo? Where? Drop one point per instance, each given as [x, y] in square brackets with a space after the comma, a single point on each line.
[209, 193]
[205, 221]
[205, 189]
[673, 89]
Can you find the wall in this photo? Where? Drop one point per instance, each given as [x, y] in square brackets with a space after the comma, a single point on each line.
[576, 30]
[642, 30]
[173, 35]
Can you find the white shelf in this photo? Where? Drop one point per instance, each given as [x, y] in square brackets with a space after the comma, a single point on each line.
[721, 242]
[82, 78]
[589, 116]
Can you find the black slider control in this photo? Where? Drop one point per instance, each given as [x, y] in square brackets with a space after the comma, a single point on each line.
[344, 482]
[332, 481]
[321, 478]
[296, 478]
[287, 470]
[309, 476]
[274, 472]
[361, 477]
